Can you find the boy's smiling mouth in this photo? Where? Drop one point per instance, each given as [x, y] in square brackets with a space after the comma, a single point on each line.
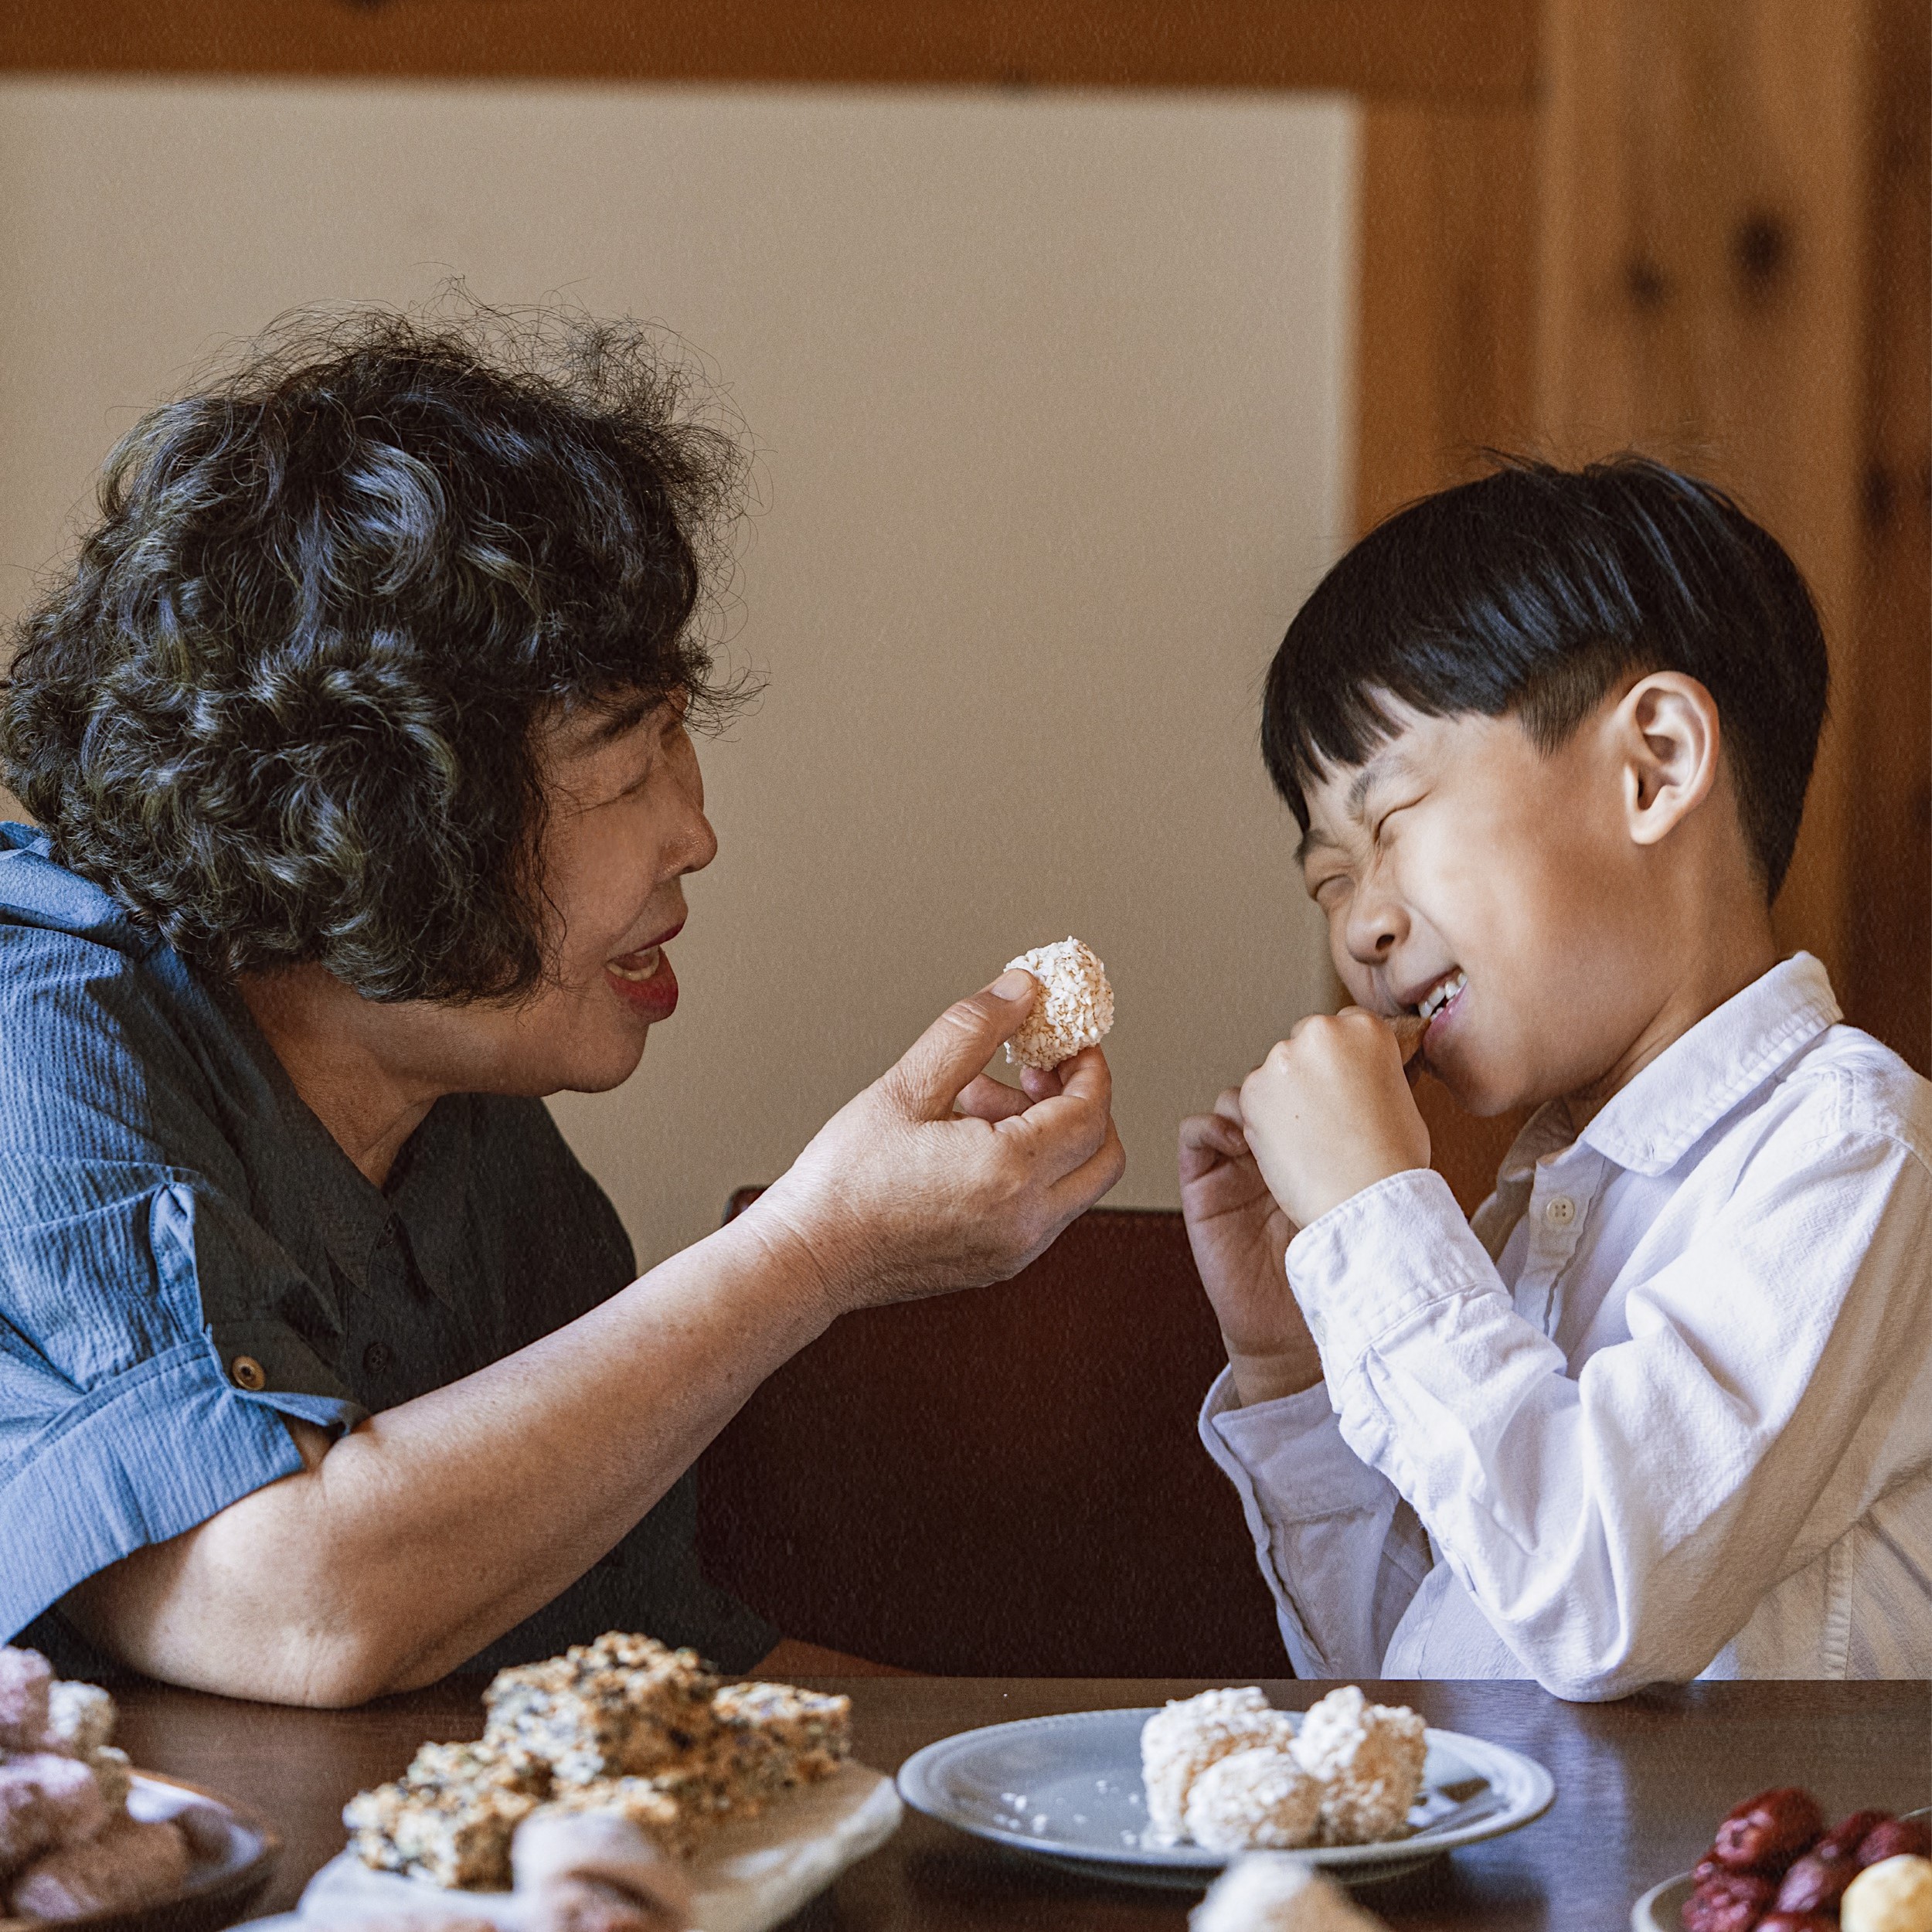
[1443, 994]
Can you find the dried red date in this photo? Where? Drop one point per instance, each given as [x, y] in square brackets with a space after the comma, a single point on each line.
[1707, 1867]
[1782, 1921]
[1815, 1884]
[1895, 1839]
[1767, 1832]
[1845, 1838]
[1734, 1902]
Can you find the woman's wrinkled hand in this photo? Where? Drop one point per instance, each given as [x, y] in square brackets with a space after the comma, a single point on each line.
[1240, 1237]
[936, 1178]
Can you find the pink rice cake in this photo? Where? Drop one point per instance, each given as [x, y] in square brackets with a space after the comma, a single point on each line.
[47, 1801]
[26, 1680]
[129, 1864]
[622, 1706]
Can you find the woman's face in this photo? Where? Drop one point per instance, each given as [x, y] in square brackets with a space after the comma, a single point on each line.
[626, 823]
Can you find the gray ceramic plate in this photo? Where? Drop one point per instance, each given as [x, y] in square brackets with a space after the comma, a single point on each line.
[1068, 1789]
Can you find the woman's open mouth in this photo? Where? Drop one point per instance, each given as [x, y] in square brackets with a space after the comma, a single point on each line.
[643, 980]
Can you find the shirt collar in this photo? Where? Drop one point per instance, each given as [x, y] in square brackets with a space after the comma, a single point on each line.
[1649, 1125]
[429, 1190]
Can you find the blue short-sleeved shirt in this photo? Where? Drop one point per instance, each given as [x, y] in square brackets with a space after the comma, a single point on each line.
[170, 1207]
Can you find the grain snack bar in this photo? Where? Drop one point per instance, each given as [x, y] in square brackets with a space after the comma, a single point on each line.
[450, 1817]
[619, 1707]
[623, 1729]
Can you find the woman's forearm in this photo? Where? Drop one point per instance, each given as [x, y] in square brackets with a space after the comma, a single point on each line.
[438, 1525]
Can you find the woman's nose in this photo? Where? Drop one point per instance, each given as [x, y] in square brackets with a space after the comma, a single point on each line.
[697, 844]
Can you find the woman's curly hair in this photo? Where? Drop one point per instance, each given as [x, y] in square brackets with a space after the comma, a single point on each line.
[282, 706]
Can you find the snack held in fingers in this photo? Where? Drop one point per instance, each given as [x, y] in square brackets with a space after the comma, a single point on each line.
[1075, 1008]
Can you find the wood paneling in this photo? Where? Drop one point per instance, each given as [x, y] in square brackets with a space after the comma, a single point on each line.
[1446, 339]
[1889, 908]
[1446, 347]
[1703, 298]
[1469, 50]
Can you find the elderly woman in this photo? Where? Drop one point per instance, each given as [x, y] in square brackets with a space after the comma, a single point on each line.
[358, 736]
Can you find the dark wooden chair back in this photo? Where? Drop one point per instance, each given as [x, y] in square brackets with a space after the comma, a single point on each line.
[1002, 1482]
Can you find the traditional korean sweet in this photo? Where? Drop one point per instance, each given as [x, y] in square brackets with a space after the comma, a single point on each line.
[1074, 1009]
[1275, 1892]
[1773, 1867]
[622, 1729]
[1229, 1772]
[68, 1847]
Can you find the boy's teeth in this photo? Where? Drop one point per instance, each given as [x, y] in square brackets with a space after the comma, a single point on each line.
[642, 965]
[1441, 995]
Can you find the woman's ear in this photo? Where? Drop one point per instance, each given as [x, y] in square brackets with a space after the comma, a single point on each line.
[1669, 738]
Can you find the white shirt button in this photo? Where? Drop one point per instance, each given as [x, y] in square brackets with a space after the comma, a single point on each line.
[1559, 1210]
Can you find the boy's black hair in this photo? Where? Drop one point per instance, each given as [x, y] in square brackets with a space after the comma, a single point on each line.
[1529, 593]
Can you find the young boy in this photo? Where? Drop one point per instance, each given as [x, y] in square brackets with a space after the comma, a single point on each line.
[1665, 1408]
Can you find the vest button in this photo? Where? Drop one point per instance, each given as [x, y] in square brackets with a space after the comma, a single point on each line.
[376, 1358]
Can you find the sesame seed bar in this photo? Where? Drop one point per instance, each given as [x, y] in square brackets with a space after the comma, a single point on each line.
[772, 1737]
[450, 1818]
[622, 1706]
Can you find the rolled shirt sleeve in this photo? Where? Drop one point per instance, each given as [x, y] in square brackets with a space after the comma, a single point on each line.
[1341, 1552]
[121, 1424]
[1619, 1527]
[132, 1270]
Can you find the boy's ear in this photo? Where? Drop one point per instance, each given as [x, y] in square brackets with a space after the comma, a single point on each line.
[1669, 736]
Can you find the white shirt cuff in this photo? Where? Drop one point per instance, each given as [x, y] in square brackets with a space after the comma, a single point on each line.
[1383, 1255]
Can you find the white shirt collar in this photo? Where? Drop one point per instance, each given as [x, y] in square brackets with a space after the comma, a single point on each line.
[1649, 1125]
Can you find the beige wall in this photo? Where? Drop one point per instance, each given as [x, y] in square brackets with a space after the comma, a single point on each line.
[1052, 398]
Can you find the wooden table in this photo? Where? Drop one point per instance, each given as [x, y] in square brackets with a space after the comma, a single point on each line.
[1640, 1785]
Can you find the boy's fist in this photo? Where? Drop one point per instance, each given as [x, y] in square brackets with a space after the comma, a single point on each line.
[1329, 1112]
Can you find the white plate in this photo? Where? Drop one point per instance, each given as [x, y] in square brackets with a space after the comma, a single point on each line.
[749, 1876]
[1068, 1789]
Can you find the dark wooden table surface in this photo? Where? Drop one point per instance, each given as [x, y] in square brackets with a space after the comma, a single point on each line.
[1639, 1786]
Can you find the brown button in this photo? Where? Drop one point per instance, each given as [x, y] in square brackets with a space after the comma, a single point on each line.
[248, 1373]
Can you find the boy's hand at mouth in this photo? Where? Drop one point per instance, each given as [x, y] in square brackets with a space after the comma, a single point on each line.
[1241, 1239]
[1329, 1113]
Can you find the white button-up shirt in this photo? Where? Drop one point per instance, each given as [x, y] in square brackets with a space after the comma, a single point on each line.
[1663, 1409]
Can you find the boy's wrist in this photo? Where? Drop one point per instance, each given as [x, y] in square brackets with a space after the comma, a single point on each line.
[1272, 1375]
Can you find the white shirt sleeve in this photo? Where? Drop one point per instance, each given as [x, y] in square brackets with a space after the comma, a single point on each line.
[1618, 1528]
[1342, 1552]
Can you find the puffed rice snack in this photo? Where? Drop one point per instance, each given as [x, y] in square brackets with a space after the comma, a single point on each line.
[1074, 1010]
[1370, 1758]
[1179, 1743]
